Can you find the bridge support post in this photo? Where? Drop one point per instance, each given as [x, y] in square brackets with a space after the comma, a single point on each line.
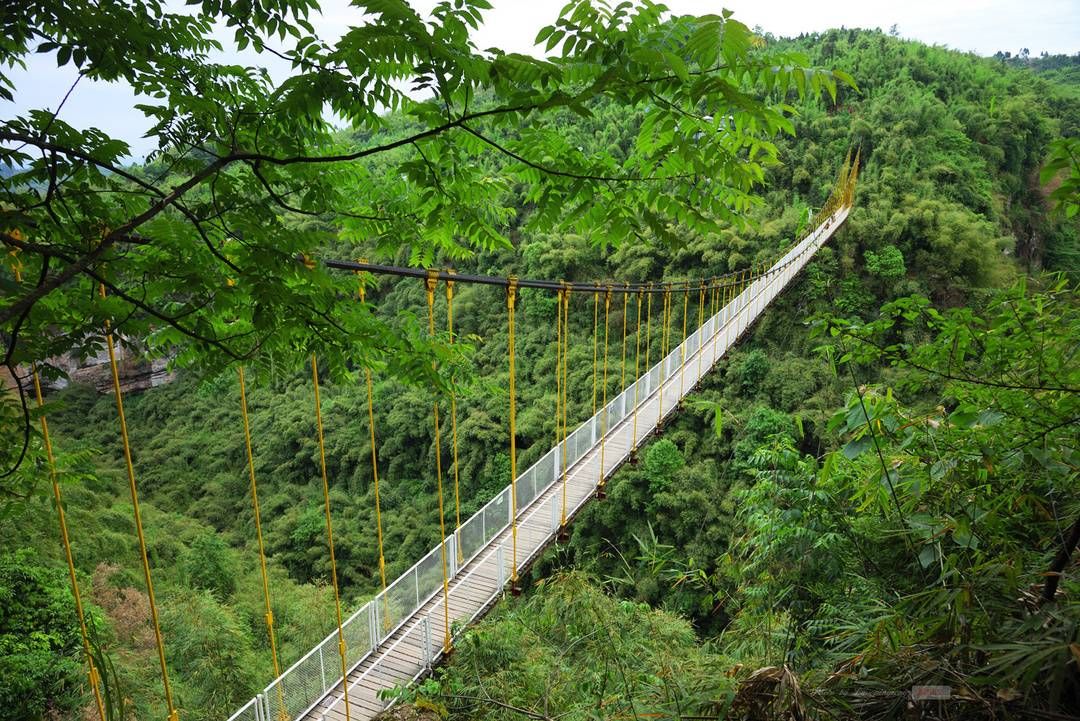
[451, 553]
[322, 668]
[557, 457]
[428, 655]
[260, 715]
[373, 622]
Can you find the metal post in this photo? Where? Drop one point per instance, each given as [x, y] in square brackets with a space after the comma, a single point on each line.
[427, 642]
[416, 585]
[322, 668]
[451, 555]
[373, 621]
[501, 563]
[483, 525]
[266, 707]
[558, 460]
[258, 708]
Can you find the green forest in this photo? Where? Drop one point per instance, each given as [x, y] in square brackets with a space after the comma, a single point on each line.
[877, 489]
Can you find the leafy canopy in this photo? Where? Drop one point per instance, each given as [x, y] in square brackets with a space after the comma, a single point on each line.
[198, 249]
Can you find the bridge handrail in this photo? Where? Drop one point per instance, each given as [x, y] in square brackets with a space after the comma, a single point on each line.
[281, 691]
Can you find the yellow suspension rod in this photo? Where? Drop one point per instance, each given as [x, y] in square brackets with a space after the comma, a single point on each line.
[431, 282]
[595, 341]
[330, 536]
[700, 323]
[565, 363]
[637, 372]
[269, 617]
[603, 408]
[511, 300]
[173, 715]
[559, 433]
[665, 316]
[453, 427]
[682, 346]
[622, 378]
[375, 477]
[92, 672]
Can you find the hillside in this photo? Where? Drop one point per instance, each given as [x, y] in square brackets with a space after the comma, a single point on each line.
[720, 549]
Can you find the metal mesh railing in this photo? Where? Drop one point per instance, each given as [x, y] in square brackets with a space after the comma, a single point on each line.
[311, 678]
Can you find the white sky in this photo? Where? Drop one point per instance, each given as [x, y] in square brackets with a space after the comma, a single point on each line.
[982, 26]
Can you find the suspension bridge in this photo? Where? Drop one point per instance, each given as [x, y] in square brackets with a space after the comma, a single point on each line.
[400, 634]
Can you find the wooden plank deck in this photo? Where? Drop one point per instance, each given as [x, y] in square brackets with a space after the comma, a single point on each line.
[407, 653]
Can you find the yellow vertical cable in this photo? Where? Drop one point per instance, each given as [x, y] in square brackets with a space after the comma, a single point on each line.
[603, 408]
[511, 299]
[648, 327]
[718, 306]
[665, 319]
[622, 378]
[742, 289]
[431, 283]
[700, 325]
[330, 536]
[559, 432]
[375, 478]
[565, 363]
[682, 346]
[637, 370]
[595, 341]
[269, 617]
[453, 425]
[173, 714]
[92, 672]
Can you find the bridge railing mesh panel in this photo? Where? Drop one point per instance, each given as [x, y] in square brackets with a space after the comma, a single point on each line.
[308, 680]
[429, 576]
[497, 514]
[471, 536]
[251, 711]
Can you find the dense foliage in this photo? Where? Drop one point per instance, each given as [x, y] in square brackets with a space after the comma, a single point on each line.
[845, 509]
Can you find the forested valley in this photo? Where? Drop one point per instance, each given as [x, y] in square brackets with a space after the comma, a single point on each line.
[877, 489]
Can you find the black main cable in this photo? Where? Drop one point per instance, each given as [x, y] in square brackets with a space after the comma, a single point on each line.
[552, 285]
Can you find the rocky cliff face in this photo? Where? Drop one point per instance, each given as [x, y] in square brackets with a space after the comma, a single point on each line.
[136, 372]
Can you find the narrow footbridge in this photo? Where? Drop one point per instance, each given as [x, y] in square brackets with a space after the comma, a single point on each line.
[396, 637]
